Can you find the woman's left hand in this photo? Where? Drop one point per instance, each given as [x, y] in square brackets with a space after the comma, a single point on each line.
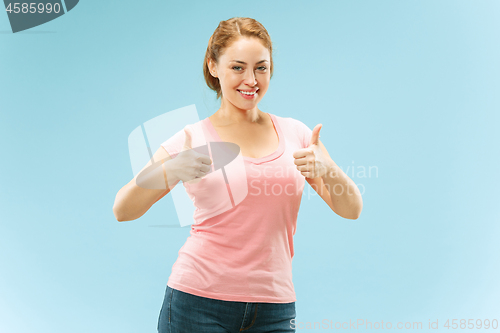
[312, 162]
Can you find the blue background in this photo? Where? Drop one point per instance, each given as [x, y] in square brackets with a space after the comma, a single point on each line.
[409, 88]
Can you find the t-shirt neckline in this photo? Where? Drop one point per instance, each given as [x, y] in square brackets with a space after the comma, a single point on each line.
[274, 155]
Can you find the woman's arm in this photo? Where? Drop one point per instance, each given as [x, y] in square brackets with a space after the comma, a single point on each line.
[146, 188]
[337, 189]
[323, 174]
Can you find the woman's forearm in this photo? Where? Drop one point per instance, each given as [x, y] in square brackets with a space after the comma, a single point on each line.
[134, 199]
[345, 195]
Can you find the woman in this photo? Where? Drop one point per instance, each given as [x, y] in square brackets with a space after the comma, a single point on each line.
[234, 273]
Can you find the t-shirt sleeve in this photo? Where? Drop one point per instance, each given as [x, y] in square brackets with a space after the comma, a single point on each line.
[174, 144]
[304, 133]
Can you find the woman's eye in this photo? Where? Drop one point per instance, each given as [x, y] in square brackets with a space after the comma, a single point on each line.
[237, 68]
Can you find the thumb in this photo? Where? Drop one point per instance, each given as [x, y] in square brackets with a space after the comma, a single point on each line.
[315, 135]
[189, 139]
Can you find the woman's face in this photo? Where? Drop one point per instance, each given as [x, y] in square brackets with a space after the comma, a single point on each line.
[244, 66]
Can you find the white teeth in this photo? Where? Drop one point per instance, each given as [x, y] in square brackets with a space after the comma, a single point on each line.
[247, 93]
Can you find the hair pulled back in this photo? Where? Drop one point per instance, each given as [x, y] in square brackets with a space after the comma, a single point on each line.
[227, 33]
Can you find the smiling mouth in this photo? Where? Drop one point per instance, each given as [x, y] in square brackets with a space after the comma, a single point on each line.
[248, 93]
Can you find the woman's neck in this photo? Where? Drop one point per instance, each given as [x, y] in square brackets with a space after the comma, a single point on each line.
[228, 114]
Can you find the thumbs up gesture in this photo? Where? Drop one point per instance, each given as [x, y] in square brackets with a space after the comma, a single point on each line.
[188, 141]
[189, 165]
[312, 162]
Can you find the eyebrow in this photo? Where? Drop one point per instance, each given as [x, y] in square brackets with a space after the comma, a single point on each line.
[242, 62]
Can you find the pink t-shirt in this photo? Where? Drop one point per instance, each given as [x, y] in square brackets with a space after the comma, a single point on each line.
[243, 252]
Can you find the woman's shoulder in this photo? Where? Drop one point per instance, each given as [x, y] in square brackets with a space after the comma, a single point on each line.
[295, 128]
[291, 122]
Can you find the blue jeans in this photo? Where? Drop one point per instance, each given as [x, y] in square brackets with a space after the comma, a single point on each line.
[187, 313]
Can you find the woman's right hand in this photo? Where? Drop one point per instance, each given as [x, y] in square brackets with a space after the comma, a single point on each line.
[189, 165]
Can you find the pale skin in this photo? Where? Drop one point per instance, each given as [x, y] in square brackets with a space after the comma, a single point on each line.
[245, 65]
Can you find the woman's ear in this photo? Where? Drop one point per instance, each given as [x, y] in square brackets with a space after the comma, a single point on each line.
[212, 67]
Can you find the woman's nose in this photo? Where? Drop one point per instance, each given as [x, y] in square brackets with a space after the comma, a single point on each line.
[250, 78]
